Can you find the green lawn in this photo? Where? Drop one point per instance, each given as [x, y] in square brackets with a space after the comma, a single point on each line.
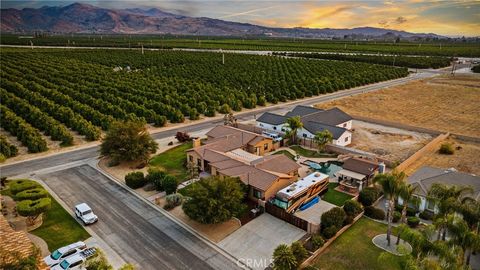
[335, 197]
[286, 153]
[173, 161]
[59, 228]
[310, 153]
[354, 250]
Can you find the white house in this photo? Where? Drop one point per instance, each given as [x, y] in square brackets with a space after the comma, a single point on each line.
[314, 120]
[426, 176]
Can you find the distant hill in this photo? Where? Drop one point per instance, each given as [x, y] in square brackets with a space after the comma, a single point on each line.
[85, 18]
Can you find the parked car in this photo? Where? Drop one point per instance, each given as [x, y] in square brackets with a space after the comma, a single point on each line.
[276, 137]
[85, 213]
[64, 252]
[75, 262]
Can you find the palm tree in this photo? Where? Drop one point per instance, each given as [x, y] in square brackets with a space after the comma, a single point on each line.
[390, 184]
[464, 237]
[448, 199]
[322, 138]
[406, 192]
[283, 258]
[293, 124]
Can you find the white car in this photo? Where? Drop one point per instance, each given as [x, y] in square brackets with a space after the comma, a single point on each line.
[75, 262]
[85, 213]
[64, 252]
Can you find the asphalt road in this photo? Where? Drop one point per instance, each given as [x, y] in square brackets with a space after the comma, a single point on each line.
[85, 153]
[131, 227]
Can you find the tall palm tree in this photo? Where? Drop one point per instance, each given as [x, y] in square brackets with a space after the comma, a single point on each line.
[390, 184]
[406, 192]
[448, 199]
[294, 124]
[463, 236]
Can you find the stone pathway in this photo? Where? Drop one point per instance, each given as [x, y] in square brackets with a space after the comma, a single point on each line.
[40, 243]
[381, 242]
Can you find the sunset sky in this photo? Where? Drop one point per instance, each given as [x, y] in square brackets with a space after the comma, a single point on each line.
[452, 18]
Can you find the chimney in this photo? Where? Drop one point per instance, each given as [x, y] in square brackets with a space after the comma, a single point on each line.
[196, 142]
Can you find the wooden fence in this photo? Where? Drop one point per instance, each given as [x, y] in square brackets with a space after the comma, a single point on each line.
[287, 217]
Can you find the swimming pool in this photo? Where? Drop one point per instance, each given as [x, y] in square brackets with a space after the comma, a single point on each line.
[329, 168]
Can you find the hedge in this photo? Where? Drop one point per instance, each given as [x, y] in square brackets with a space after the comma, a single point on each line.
[31, 208]
[368, 196]
[352, 208]
[333, 217]
[31, 194]
[330, 232]
[427, 215]
[375, 213]
[19, 185]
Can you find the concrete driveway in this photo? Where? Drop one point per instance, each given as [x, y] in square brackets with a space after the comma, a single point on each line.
[131, 227]
[254, 242]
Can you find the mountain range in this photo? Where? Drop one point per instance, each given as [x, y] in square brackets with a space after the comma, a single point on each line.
[85, 18]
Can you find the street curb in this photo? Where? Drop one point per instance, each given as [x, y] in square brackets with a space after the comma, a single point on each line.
[171, 217]
[119, 261]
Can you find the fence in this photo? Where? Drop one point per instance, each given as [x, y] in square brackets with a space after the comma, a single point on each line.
[431, 146]
[287, 217]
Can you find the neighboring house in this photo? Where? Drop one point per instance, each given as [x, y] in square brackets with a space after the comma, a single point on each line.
[314, 120]
[234, 152]
[356, 174]
[426, 176]
[15, 245]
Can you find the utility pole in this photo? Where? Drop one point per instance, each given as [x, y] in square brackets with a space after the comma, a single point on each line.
[223, 56]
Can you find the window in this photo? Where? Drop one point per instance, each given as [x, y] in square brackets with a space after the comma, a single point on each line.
[190, 158]
[265, 146]
[304, 135]
[346, 139]
[430, 205]
[261, 124]
[75, 264]
[68, 253]
[345, 125]
[274, 128]
[257, 193]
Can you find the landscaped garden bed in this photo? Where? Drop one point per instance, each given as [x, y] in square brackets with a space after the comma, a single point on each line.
[311, 153]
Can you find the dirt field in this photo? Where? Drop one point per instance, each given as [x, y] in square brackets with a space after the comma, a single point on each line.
[440, 103]
[464, 159]
[386, 142]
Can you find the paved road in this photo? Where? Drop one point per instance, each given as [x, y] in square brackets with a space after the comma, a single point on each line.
[85, 153]
[130, 226]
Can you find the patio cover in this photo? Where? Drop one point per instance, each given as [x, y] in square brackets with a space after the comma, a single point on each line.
[354, 175]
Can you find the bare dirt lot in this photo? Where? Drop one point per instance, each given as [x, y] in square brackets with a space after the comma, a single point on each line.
[442, 103]
[386, 142]
[464, 159]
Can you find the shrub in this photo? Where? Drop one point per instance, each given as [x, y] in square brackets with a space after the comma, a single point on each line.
[427, 215]
[317, 241]
[446, 149]
[182, 136]
[19, 185]
[330, 232]
[33, 208]
[299, 251]
[283, 258]
[368, 196]
[413, 221]
[396, 216]
[411, 211]
[135, 180]
[31, 194]
[170, 184]
[352, 208]
[173, 200]
[333, 217]
[348, 220]
[375, 213]
[155, 176]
